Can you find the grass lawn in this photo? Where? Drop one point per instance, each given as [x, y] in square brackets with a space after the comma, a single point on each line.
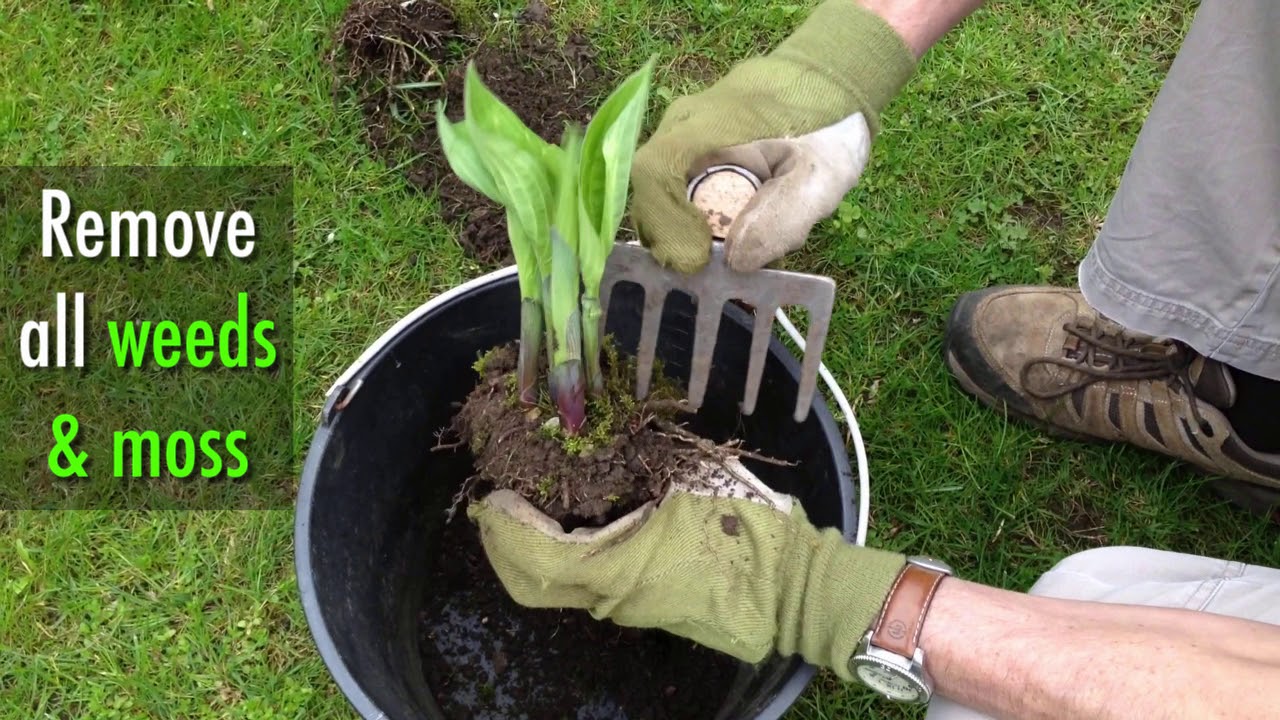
[996, 166]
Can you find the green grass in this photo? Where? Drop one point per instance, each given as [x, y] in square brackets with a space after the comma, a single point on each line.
[995, 166]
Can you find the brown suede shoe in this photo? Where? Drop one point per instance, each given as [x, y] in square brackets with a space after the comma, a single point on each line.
[1044, 355]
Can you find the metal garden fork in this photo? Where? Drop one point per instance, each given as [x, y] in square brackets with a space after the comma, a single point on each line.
[720, 193]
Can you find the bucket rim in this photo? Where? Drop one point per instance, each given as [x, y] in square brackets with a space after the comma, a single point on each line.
[316, 624]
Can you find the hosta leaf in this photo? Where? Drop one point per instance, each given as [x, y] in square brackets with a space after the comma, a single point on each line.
[567, 185]
[521, 178]
[463, 157]
[607, 154]
[566, 321]
[484, 111]
[527, 269]
[564, 248]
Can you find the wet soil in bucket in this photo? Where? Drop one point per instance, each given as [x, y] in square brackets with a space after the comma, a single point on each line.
[487, 658]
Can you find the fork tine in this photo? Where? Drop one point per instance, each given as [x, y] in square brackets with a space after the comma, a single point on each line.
[654, 299]
[760, 337]
[819, 322]
[767, 290]
[606, 292]
[704, 345]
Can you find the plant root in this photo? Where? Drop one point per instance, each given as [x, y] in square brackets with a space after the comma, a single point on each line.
[720, 451]
[464, 494]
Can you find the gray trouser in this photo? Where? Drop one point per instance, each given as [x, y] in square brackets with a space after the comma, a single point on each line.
[1155, 578]
[1191, 245]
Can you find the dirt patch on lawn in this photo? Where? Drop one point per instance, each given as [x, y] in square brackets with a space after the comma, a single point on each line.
[400, 59]
[1041, 214]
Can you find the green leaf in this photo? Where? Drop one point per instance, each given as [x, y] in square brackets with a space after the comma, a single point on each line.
[567, 186]
[485, 112]
[23, 554]
[564, 249]
[463, 157]
[526, 262]
[519, 160]
[565, 318]
[607, 154]
[525, 186]
[611, 142]
[620, 149]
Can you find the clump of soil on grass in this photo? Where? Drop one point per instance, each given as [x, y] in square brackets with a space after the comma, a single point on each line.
[387, 50]
[389, 42]
[626, 456]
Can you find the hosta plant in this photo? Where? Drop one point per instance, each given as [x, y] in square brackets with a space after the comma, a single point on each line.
[564, 205]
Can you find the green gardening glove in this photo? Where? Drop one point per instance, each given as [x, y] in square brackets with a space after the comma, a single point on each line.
[800, 118]
[722, 560]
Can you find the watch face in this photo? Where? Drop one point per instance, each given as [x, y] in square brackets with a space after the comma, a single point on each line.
[889, 683]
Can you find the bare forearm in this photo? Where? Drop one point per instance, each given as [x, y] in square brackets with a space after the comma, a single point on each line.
[921, 23]
[1013, 655]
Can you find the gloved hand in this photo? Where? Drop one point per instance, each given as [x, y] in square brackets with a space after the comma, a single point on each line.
[800, 118]
[722, 560]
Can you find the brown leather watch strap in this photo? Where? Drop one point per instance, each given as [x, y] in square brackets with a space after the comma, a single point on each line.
[898, 627]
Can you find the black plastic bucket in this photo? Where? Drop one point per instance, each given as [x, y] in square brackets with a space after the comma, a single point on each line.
[370, 510]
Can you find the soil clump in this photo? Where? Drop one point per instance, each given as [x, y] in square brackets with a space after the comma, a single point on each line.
[401, 58]
[626, 456]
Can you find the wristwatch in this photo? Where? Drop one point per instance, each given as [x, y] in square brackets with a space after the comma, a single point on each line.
[889, 659]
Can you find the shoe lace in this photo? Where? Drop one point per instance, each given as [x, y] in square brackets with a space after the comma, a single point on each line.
[1102, 355]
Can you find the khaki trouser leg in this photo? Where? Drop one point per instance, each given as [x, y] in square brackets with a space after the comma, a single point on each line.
[1191, 245]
